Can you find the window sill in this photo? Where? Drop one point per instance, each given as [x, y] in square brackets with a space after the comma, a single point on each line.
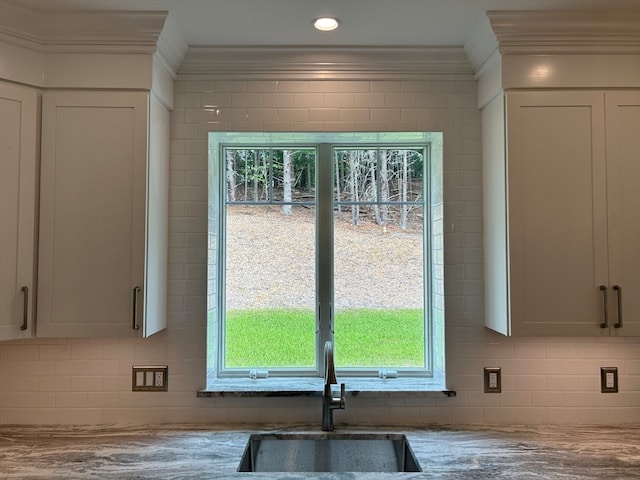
[313, 387]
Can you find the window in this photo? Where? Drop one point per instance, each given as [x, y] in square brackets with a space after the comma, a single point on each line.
[316, 237]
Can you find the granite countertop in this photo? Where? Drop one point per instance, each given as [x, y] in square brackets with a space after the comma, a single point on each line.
[208, 452]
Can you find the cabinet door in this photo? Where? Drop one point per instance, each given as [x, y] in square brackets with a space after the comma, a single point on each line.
[18, 158]
[92, 221]
[623, 174]
[556, 212]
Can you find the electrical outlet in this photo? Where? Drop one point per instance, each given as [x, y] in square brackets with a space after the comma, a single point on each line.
[150, 378]
[492, 380]
[609, 379]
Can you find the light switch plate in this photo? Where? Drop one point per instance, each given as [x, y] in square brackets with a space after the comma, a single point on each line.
[609, 379]
[492, 380]
[150, 378]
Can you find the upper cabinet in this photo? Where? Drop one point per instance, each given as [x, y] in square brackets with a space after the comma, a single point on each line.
[105, 80]
[561, 171]
[18, 188]
[95, 230]
[623, 204]
[560, 205]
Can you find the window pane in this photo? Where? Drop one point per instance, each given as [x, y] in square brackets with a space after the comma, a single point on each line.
[379, 259]
[270, 259]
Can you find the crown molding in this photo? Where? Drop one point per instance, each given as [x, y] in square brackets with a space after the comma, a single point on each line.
[90, 31]
[525, 32]
[566, 32]
[325, 63]
[171, 47]
[81, 32]
[482, 45]
[20, 26]
[94, 32]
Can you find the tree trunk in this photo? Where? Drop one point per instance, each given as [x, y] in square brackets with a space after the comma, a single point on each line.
[354, 166]
[231, 176]
[287, 180]
[384, 186]
[256, 177]
[404, 187]
[246, 174]
[338, 177]
[374, 186]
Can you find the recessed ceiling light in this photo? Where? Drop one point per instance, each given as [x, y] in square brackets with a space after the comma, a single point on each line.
[326, 24]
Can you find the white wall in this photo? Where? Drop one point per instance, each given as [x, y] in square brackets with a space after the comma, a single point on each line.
[548, 380]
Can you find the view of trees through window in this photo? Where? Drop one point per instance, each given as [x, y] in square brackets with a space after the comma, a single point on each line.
[273, 234]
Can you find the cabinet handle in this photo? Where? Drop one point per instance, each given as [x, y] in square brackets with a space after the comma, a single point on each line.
[25, 309]
[618, 290]
[605, 324]
[135, 325]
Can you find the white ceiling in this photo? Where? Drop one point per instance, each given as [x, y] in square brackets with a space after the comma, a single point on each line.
[364, 22]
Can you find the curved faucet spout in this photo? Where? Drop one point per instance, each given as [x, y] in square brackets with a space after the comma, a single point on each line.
[329, 402]
[329, 367]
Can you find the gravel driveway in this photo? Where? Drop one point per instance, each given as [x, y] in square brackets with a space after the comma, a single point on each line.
[271, 262]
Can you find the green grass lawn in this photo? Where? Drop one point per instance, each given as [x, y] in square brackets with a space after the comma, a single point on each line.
[274, 338]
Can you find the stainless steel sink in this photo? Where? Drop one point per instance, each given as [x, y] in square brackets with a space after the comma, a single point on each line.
[328, 452]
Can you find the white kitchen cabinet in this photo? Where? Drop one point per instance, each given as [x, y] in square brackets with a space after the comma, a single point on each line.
[18, 180]
[623, 201]
[559, 207]
[102, 225]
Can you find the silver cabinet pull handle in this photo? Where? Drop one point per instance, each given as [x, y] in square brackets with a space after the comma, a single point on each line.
[605, 324]
[135, 325]
[618, 290]
[25, 309]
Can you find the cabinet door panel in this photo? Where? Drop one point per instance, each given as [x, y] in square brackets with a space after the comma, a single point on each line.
[623, 174]
[18, 117]
[557, 216]
[93, 212]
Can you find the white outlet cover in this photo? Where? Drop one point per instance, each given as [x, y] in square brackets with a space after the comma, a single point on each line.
[610, 380]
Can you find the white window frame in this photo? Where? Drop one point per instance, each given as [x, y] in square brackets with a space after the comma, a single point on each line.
[326, 141]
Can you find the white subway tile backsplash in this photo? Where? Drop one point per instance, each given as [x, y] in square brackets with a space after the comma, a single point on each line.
[386, 114]
[308, 100]
[184, 132]
[232, 86]
[36, 367]
[355, 86]
[293, 114]
[294, 86]
[323, 86]
[417, 115]
[71, 400]
[531, 416]
[277, 100]
[59, 383]
[339, 100]
[262, 86]
[209, 100]
[102, 367]
[262, 114]
[324, 115]
[504, 415]
[369, 100]
[197, 86]
[18, 352]
[545, 380]
[19, 383]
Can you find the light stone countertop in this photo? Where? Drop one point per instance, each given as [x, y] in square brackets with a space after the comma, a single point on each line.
[209, 452]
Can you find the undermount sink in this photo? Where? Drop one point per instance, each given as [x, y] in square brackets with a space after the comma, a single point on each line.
[328, 452]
